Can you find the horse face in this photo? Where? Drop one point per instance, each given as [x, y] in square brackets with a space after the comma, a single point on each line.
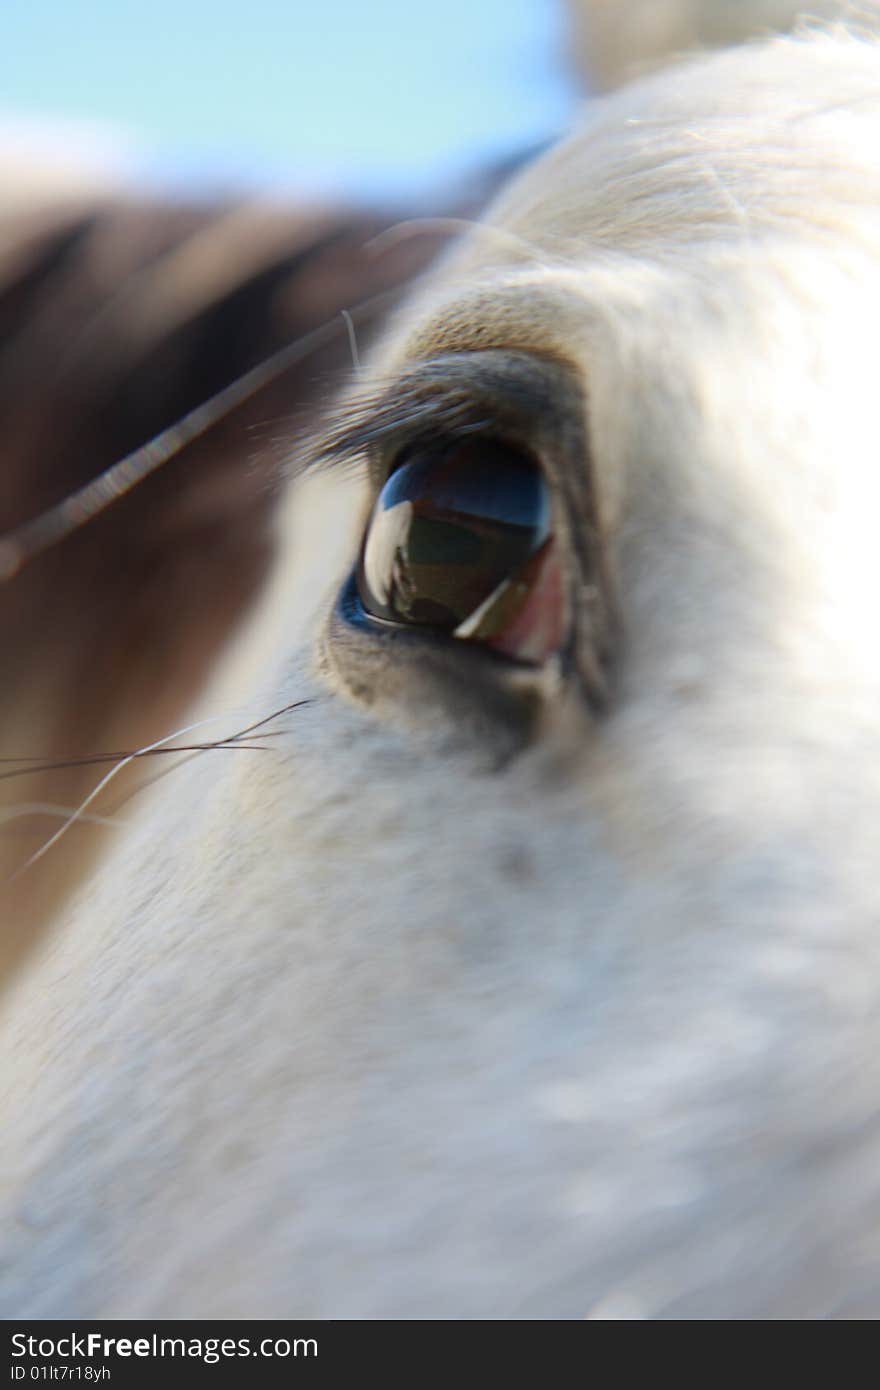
[532, 971]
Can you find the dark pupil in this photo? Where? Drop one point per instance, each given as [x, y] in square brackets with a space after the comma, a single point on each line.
[449, 526]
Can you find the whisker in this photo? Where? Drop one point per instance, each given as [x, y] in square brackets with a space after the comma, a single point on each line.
[105, 780]
[267, 719]
[232, 741]
[352, 339]
[41, 764]
[157, 777]
[49, 808]
[193, 749]
[24, 543]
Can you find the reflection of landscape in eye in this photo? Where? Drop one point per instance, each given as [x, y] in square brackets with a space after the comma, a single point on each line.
[454, 565]
[448, 528]
[484, 477]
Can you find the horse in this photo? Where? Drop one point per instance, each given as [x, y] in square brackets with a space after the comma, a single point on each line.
[508, 948]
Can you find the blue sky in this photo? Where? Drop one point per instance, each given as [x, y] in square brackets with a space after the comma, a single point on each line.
[372, 95]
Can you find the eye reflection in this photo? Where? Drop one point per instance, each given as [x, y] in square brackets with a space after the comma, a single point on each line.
[451, 524]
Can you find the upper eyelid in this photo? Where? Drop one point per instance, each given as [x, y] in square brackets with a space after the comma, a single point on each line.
[398, 419]
[462, 394]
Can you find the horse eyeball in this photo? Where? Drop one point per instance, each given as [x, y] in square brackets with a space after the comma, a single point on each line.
[454, 526]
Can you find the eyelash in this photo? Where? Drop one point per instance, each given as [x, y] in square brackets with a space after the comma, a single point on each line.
[460, 396]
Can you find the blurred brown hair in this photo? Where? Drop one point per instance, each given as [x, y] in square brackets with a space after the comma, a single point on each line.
[118, 317]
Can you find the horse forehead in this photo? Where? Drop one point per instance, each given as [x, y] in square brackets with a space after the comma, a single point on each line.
[738, 139]
[750, 149]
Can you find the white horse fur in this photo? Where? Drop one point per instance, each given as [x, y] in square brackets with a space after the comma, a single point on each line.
[401, 1020]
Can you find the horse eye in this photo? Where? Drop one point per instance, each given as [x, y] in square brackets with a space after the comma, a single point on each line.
[458, 540]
